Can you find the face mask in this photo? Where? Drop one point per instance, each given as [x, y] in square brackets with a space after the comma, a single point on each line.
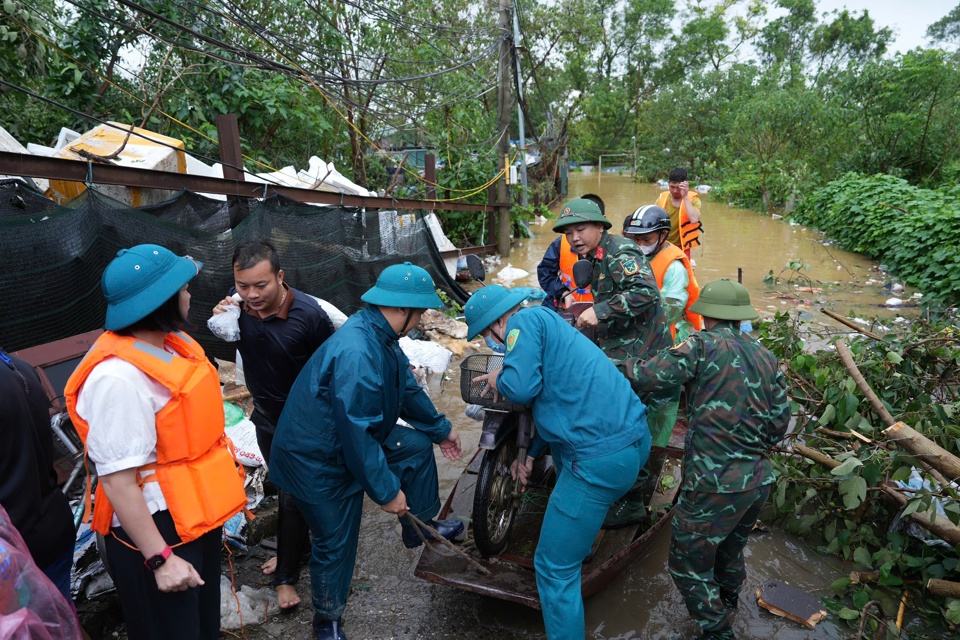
[647, 250]
[495, 346]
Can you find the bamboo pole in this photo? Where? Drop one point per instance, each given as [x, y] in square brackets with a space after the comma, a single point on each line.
[940, 527]
[943, 588]
[925, 449]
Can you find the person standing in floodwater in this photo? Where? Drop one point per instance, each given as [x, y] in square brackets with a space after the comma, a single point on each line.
[684, 209]
[738, 409]
[629, 317]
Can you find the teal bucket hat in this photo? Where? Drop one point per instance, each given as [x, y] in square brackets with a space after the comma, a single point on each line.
[404, 286]
[725, 300]
[140, 279]
[580, 210]
[489, 303]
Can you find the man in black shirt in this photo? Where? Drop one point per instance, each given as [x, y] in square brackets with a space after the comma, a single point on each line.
[28, 482]
[280, 328]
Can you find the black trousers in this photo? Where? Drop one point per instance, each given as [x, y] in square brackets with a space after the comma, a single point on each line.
[293, 534]
[150, 614]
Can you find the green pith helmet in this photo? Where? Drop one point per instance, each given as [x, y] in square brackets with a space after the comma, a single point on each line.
[404, 286]
[725, 300]
[487, 304]
[578, 211]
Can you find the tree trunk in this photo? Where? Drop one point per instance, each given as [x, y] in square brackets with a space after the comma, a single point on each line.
[928, 451]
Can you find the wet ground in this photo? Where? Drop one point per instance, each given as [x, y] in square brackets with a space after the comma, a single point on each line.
[388, 601]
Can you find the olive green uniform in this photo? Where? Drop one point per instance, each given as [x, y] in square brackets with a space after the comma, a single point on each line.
[631, 321]
[738, 408]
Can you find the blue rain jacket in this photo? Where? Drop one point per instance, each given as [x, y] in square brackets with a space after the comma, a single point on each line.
[581, 403]
[332, 433]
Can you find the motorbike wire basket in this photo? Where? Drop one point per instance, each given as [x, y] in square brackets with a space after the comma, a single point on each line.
[478, 365]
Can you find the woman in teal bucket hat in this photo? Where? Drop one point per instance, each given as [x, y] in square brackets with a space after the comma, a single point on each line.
[147, 403]
[338, 438]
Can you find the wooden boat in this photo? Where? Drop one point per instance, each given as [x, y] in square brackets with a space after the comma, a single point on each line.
[481, 492]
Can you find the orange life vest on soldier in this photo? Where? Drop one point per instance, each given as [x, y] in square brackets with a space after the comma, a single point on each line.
[195, 468]
[567, 259]
[659, 264]
[689, 231]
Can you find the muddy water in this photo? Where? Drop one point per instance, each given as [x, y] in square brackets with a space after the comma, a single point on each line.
[643, 603]
[388, 601]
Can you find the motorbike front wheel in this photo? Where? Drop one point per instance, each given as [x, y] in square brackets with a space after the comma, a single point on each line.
[494, 507]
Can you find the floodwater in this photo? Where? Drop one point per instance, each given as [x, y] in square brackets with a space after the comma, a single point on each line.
[388, 601]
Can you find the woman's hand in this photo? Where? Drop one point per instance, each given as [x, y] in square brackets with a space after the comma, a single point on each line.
[176, 574]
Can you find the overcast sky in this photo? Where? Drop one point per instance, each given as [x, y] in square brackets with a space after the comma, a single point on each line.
[908, 20]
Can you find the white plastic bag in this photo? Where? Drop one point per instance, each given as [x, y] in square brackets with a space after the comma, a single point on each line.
[336, 316]
[226, 325]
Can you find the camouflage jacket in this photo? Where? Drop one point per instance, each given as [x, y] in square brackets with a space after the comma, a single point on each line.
[736, 402]
[631, 321]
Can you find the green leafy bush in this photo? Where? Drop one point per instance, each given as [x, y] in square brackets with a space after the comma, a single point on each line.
[912, 230]
[843, 510]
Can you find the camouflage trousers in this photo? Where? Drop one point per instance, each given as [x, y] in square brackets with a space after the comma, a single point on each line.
[706, 552]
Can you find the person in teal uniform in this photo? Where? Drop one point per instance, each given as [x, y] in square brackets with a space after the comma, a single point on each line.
[338, 438]
[563, 376]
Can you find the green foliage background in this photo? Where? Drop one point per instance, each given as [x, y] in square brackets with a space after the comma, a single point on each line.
[910, 229]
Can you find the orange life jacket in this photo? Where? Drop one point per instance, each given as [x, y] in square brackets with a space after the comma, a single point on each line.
[195, 468]
[689, 231]
[567, 259]
[659, 264]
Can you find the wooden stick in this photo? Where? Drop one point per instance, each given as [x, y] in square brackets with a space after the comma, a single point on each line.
[926, 450]
[865, 389]
[233, 397]
[901, 609]
[436, 536]
[851, 324]
[862, 577]
[943, 588]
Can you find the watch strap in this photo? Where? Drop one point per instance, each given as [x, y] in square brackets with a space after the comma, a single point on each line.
[155, 562]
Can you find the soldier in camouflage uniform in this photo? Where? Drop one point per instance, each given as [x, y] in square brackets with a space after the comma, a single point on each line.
[629, 317]
[738, 409]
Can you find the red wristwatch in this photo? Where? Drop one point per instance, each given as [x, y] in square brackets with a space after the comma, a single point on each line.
[155, 562]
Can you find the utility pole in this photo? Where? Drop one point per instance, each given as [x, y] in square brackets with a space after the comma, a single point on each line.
[504, 106]
[523, 138]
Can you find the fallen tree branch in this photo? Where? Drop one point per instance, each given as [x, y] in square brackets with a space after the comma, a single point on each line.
[943, 588]
[940, 527]
[817, 456]
[851, 324]
[926, 450]
[847, 359]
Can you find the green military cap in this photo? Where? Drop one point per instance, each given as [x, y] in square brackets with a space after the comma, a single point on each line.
[725, 300]
[578, 211]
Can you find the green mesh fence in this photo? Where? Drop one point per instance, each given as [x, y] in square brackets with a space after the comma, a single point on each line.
[52, 257]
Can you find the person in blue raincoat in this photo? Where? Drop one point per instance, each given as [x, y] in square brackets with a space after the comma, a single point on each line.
[584, 408]
[338, 438]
